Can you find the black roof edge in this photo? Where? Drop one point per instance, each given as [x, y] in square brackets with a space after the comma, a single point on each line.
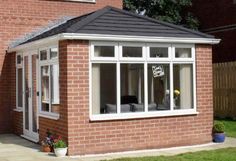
[162, 22]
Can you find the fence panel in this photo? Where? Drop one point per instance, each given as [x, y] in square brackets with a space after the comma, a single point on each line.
[224, 89]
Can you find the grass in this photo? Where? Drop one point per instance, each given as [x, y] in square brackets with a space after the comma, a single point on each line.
[228, 154]
[230, 127]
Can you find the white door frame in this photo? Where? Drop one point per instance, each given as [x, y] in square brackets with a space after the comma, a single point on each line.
[29, 133]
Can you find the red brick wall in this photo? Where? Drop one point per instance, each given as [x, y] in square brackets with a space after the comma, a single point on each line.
[218, 13]
[24, 16]
[86, 137]
[214, 13]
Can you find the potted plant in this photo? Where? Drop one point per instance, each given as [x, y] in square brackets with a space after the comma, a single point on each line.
[218, 132]
[60, 147]
[47, 143]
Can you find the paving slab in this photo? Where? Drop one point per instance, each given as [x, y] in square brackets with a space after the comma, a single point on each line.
[15, 148]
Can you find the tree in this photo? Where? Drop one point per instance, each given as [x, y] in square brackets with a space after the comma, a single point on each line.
[173, 11]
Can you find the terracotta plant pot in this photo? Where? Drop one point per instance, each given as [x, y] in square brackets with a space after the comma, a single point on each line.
[60, 152]
[46, 148]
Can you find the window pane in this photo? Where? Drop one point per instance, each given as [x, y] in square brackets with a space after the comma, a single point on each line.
[104, 88]
[183, 53]
[53, 53]
[158, 52]
[132, 52]
[158, 87]
[183, 86]
[43, 55]
[20, 88]
[45, 88]
[18, 59]
[104, 51]
[132, 88]
[54, 86]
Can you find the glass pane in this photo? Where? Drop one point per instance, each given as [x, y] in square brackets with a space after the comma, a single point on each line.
[158, 87]
[19, 87]
[18, 59]
[104, 51]
[34, 93]
[54, 87]
[183, 53]
[132, 52]
[104, 88]
[26, 75]
[157, 52]
[43, 55]
[53, 53]
[183, 86]
[132, 87]
[45, 88]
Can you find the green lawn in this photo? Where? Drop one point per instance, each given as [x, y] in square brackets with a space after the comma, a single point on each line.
[230, 127]
[228, 154]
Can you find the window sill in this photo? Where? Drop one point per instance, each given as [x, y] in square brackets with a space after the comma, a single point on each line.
[49, 116]
[141, 115]
[18, 110]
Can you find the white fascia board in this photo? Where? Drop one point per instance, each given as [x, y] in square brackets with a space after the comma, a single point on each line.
[141, 38]
[101, 37]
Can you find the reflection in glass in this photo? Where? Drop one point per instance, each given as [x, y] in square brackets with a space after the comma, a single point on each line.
[132, 87]
[183, 86]
[104, 88]
[158, 87]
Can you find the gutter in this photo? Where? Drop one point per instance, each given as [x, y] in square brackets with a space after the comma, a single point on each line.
[101, 37]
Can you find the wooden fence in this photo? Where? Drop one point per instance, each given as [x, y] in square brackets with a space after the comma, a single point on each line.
[224, 93]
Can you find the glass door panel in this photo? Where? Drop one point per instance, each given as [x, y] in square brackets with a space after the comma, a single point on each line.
[26, 86]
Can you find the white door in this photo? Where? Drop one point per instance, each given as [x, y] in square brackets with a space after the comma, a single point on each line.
[30, 110]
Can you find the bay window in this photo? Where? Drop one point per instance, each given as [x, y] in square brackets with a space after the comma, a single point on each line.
[130, 80]
[49, 81]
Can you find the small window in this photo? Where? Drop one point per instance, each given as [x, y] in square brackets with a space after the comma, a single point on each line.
[158, 52]
[183, 53]
[18, 59]
[19, 88]
[104, 51]
[43, 55]
[53, 53]
[135, 52]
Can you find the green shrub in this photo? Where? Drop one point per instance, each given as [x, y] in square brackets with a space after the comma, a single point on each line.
[59, 144]
[219, 127]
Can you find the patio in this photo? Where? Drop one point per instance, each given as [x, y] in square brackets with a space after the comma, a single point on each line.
[14, 148]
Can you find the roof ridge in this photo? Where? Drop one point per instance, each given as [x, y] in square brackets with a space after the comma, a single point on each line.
[161, 22]
[78, 25]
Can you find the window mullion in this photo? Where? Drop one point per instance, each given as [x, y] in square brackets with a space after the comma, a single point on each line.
[145, 87]
[50, 100]
[118, 86]
[171, 81]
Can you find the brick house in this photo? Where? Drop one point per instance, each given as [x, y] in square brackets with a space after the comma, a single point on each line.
[218, 18]
[110, 80]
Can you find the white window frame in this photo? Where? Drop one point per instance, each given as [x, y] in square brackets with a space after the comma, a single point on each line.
[19, 66]
[48, 62]
[144, 60]
[93, 57]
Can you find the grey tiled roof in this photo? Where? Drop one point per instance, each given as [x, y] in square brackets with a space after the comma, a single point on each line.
[113, 21]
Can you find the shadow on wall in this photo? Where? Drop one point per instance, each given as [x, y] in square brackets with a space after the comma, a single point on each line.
[7, 92]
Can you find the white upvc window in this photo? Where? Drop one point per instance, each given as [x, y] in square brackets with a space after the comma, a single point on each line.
[141, 80]
[49, 81]
[19, 82]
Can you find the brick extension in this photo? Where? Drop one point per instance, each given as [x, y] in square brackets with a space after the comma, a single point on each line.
[86, 137]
